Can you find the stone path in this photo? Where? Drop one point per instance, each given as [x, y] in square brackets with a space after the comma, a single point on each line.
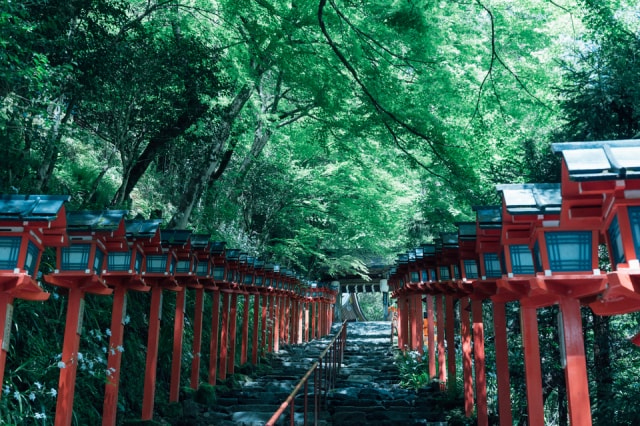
[367, 390]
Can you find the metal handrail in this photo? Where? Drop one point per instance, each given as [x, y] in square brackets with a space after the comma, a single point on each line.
[324, 371]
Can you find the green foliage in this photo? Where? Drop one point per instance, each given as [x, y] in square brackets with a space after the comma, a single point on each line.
[413, 369]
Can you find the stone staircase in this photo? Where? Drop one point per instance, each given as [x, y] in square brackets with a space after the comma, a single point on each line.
[366, 392]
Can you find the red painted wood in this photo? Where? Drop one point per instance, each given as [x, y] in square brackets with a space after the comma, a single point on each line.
[224, 336]
[215, 333]
[152, 354]
[66, 383]
[502, 364]
[482, 412]
[176, 356]
[283, 318]
[467, 374]
[533, 375]
[114, 358]
[431, 341]
[284, 305]
[305, 336]
[300, 326]
[197, 338]
[442, 376]
[256, 329]
[402, 322]
[576, 367]
[276, 323]
[5, 300]
[233, 324]
[270, 323]
[245, 329]
[451, 349]
[263, 321]
[416, 323]
[314, 324]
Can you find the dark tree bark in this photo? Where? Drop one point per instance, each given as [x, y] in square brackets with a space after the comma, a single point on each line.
[194, 110]
[213, 164]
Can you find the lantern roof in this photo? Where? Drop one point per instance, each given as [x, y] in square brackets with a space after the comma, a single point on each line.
[488, 216]
[466, 230]
[449, 240]
[90, 221]
[531, 198]
[217, 247]
[31, 207]
[428, 249]
[601, 160]
[137, 228]
[175, 237]
[200, 241]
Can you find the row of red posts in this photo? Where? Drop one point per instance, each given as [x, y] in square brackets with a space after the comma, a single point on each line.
[102, 253]
[539, 248]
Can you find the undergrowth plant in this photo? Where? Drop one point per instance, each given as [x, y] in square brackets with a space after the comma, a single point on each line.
[414, 369]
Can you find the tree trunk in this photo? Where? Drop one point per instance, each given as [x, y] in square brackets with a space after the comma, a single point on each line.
[199, 181]
[52, 145]
[193, 111]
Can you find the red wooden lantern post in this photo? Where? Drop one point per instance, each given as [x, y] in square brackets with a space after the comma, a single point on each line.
[179, 241]
[280, 319]
[203, 270]
[159, 274]
[78, 269]
[219, 259]
[250, 282]
[448, 273]
[283, 286]
[428, 265]
[263, 310]
[243, 273]
[401, 297]
[125, 265]
[258, 282]
[416, 288]
[227, 291]
[267, 282]
[489, 249]
[468, 267]
[28, 223]
[519, 266]
[565, 252]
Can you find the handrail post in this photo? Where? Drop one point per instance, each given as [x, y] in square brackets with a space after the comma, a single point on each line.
[292, 414]
[316, 397]
[306, 399]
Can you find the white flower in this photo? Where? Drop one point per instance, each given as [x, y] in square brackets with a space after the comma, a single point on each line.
[127, 319]
[104, 349]
[40, 416]
[108, 332]
[16, 395]
[112, 351]
[53, 392]
[61, 364]
[120, 348]
[32, 396]
[80, 356]
[38, 385]
[6, 389]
